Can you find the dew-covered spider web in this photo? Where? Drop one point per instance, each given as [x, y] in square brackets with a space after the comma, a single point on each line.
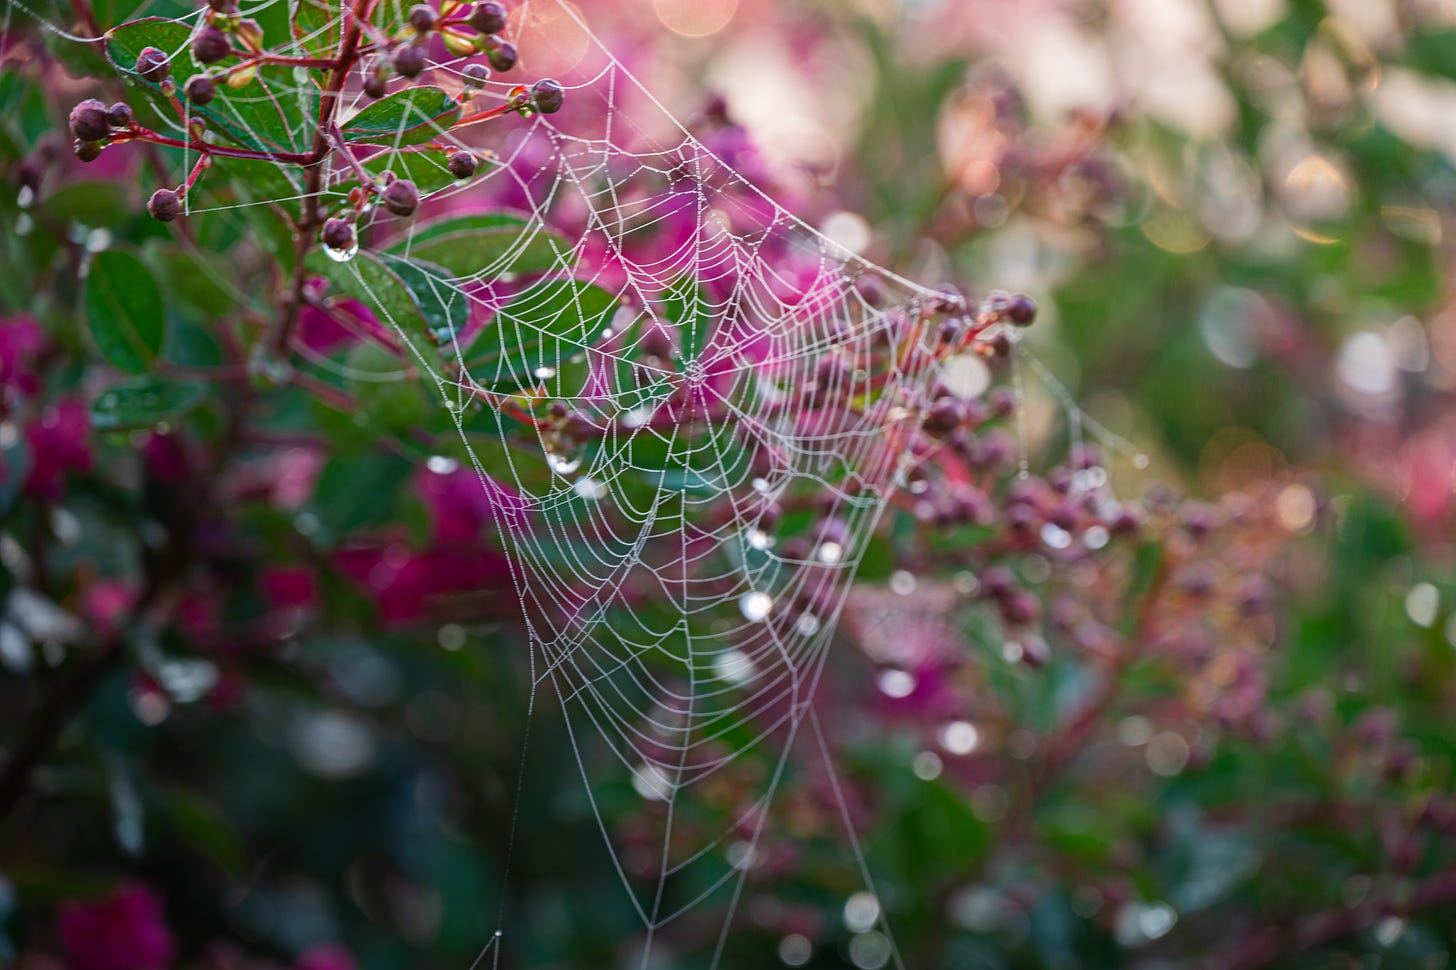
[687, 408]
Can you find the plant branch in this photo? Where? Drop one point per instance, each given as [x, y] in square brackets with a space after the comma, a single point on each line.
[354, 16]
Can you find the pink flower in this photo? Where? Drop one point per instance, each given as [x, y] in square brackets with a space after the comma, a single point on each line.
[124, 931]
[290, 587]
[325, 956]
[461, 503]
[105, 604]
[59, 442]
[21, 340]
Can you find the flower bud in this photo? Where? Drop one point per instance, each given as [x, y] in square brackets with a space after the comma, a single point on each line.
[401, 197]
[153, 65]
[502, 55]
[88, 120]
[250, 34]
[408, 60]
[475, 75]
[119, 115]
[374, 84]
[547, 96]
[338, 234]
[87, 151]
[458, 43]
[462, 164]
[488, 17]
[210, 45]
[1021, 310]
[422, 18]
[164, 205]
[200, 89]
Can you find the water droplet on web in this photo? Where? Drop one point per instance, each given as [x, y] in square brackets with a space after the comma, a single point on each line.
[544, 373]
[590, 489]
[755, 606]
[607, 333]
[902, 582]
[759, 539]
[651, 782]
[761, 485]
[442, 465]
[829, 553]
[341, 255]
[636, 417]
[734, 666]
[808, 625]
[562, 464]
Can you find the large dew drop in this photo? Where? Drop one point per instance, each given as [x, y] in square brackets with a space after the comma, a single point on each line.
[562, 464]
[341, 255]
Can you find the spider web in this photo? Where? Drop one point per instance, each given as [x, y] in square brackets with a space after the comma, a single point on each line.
[688, 410]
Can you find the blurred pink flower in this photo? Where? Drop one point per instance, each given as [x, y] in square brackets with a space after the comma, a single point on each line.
[105, 603]
[461, 503]
[124, 931]
[325, 956]
[21, 340]
[290, 587]
[59, 442]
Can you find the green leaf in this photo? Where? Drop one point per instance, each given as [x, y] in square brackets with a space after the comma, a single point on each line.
[401, 292]
[317, 27]
[124, 310]
[407, 117]
[273, 113]
[685, 305]
[91, 204]
[359, 490]
[386, 397]
[488, 245]
[144, 402]
[543, 326]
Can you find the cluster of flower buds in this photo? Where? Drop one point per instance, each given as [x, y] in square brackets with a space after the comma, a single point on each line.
[464, 34]
[93, 124]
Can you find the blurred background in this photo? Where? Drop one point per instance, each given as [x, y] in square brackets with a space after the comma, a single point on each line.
[1232, 214]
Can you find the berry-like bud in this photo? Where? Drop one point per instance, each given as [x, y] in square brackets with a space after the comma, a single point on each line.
[462, 164]
[401, 197]
[374, 84]
[153, 65]
[408, 60]
[87, 151]
[164, 205]
[200, 89]
[488, 17]
[1021, 310]
[475, 75]
[422, 18]
[547, 95]
[502, 55]
[339, 235]
[210, 45]
[88, 120]
[119, 115]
